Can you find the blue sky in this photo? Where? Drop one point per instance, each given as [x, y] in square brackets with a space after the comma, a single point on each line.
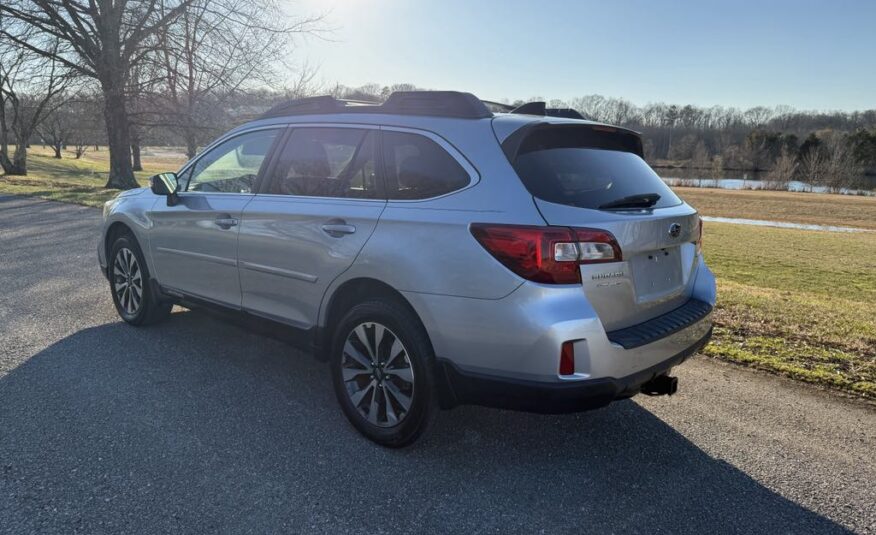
[810, 55]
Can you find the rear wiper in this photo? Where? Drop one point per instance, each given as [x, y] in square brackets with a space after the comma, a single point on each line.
[642, 200]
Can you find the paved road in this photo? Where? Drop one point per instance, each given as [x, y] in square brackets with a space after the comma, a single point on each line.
[196, 426]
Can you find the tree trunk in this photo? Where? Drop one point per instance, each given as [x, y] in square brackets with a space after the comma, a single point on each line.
[4, 138]
[19, 160]
[191, 144]
[57, 146]
[135, 155]
[5, 163]
[121, 175]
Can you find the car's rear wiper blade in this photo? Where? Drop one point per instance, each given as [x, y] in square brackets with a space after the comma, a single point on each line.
[642, 200]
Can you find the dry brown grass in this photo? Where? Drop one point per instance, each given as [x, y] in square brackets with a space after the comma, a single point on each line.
[811, 208]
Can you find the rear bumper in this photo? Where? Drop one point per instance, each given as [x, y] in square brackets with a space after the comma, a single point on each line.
[519, 337]
[460, 387]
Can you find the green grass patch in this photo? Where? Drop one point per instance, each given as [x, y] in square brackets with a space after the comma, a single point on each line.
[827, 263]
[827, 367]
[797, 303]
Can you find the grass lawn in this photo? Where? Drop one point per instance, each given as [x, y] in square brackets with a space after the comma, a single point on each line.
[794, 302]
[80, 181]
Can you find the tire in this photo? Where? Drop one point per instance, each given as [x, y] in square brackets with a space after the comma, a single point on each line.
[128, 277]
[402, 372]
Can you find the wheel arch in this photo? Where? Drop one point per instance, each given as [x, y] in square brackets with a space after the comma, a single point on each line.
[360, 289]
[346, 295]
[116, 229]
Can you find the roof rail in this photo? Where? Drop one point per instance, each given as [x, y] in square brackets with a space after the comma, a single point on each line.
[435, 103]
[441, 103]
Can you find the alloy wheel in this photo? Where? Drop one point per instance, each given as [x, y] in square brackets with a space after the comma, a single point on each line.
[127, 281]
[377, 374]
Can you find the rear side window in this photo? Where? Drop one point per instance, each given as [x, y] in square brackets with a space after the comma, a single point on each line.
[418, 168]
[587, 169]
[328, 162]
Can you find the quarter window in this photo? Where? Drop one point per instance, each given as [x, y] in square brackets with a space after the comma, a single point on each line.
[418, 168]
[233, 165]
[328, 162]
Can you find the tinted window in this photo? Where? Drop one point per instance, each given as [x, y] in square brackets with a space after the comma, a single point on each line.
[328, 162]
[568, 169]
[418, 168]
[232, 166]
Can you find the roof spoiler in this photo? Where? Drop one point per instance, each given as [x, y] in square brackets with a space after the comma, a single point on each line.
[591, 135]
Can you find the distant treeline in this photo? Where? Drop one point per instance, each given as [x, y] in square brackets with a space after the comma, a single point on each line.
[832, 149]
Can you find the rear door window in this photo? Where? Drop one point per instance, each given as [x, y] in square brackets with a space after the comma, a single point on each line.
[328, 162]
[586, 169]
[418, 168]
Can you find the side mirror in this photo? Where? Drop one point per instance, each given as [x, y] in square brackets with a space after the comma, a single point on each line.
[165, 184]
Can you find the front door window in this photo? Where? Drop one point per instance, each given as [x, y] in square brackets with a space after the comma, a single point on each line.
[231, 166]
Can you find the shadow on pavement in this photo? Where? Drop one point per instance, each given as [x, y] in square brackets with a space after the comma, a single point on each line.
[195, 425]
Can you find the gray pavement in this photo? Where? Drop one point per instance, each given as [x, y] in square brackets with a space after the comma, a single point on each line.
[195, 425]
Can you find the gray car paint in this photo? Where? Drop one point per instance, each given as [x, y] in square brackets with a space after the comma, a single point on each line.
[477, 313]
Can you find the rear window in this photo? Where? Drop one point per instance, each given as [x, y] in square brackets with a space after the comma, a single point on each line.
[587, 169]
[418, 168]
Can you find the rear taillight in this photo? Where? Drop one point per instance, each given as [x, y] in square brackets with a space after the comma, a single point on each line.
[547, 254]
[699, 240]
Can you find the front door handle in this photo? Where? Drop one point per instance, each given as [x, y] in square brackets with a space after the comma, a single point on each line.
[337, 228]
[226, 222]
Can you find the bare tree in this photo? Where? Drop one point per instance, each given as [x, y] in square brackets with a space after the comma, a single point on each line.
[58, 127]
[89, 129]
[214, 51]
[100, 39]
[754, 153]
[758, 116]
[812, 167]
[31, 86]
[700, 157]
[842, 169]
[784, 170]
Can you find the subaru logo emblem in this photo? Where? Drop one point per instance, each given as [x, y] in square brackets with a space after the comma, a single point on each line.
[674, 230]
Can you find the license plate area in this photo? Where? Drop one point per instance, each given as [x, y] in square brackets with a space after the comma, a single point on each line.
[657, 273]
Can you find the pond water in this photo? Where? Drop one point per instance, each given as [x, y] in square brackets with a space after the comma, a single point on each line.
[783, 224]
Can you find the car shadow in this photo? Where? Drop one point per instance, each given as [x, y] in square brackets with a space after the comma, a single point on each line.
[196, 425]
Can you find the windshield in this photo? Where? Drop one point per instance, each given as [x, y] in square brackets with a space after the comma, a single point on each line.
[590, 177]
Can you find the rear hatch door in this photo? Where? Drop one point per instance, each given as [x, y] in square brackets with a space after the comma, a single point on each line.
[592, 176]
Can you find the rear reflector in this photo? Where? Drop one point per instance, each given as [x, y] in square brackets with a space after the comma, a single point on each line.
[567, 359]
[548, 255]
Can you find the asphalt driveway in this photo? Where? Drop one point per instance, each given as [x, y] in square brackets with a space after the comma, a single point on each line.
[195, 425]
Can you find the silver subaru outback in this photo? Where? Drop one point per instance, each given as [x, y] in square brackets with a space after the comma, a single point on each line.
[433, 251]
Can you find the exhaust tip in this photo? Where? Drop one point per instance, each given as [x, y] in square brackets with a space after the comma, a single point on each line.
[662, 385]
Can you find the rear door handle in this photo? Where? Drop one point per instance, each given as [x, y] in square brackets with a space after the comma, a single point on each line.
[337, 228]
[226, 222]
